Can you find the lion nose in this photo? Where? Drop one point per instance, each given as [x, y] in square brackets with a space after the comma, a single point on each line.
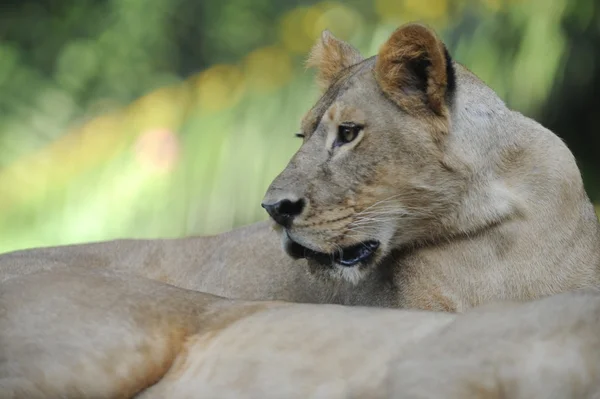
[284, 211]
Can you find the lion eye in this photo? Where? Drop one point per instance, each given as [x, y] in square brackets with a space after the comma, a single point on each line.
[346, 133]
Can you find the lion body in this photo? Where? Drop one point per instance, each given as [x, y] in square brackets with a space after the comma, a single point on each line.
[422, 190]
[527, 229]
[99, 334]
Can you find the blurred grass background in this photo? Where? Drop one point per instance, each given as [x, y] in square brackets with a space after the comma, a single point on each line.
[167, 118]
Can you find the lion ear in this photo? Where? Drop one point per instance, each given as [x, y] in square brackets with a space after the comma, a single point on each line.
[415, 70]
[331, 55]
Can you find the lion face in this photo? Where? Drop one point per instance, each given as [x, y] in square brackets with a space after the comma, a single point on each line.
[371, 174]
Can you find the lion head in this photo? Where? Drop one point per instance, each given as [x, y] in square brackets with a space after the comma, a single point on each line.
[372, 173]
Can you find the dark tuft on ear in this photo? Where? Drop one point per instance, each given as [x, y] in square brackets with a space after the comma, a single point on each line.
[415, 71]
[451, 76]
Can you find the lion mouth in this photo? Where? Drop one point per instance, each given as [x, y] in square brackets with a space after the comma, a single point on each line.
[345, 256]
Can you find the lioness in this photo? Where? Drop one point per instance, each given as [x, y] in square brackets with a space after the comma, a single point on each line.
[415, 186]
[103, 334]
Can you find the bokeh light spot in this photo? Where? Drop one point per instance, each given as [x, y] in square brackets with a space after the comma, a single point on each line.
[296, 29]
[432, 11]
[493, 5]
[268, 68]
[158, 150]
[343, 21]
[389, 9]
[219, 87]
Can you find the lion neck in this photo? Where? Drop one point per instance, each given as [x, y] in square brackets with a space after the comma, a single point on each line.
[523, 226]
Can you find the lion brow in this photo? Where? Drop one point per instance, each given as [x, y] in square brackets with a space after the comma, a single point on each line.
[313, 118]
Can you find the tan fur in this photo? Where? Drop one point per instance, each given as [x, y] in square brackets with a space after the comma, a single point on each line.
[492, 209]
[331, 56]
[109, 335]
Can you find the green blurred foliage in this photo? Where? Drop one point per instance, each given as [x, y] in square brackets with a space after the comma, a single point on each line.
[146, 118]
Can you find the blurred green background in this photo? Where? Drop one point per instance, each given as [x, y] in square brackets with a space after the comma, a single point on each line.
[167, 118]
